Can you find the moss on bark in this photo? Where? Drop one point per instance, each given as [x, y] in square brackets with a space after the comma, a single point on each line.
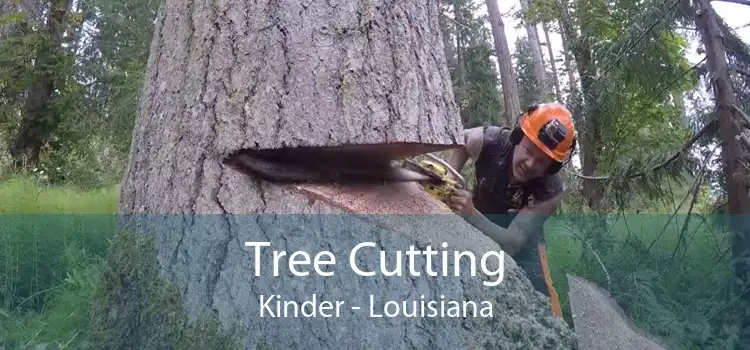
[136, 308]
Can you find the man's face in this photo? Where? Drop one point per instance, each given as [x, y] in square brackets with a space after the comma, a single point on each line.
[529, 161]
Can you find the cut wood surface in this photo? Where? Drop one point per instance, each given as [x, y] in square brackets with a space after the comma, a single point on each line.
[600, 323]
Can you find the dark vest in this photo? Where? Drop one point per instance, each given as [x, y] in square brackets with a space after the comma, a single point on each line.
[494, 195]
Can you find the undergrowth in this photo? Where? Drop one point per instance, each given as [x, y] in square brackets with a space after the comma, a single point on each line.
[671, 278]
[61, 272]
[51, 269]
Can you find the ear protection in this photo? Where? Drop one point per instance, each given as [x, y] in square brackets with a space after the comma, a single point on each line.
[516, 135]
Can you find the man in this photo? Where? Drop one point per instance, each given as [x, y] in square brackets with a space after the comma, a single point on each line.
[516, 173]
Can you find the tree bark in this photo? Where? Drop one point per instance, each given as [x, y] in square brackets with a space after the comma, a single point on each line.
[37, 118]
[732, 155]
[445, 28]
[229, 76]
[569, 67]
[540, 73]
[589, 132]
[553, 64]
[507, 76]
[345, 76]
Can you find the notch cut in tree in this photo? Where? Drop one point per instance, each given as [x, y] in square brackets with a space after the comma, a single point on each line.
[288, 75]
[295, 80]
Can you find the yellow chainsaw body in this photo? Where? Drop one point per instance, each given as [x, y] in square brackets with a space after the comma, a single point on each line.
[444, 191]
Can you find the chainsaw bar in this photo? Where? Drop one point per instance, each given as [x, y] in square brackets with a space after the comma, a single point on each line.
[328, 172]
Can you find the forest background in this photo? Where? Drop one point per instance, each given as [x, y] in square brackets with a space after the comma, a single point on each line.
[634, 72]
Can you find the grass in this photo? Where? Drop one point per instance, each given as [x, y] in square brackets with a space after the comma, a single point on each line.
[50, 268]
[48, 259]
[63, 269]
[677, 294]
[21, 195]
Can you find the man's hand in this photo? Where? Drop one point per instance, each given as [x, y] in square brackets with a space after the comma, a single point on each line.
[461, 202]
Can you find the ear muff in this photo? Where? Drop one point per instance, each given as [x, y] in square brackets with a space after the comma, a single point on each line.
[516, 135]
[557, 166]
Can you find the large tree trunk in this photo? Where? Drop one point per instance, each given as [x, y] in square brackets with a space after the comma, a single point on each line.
[737, 176]
[508, 79]
[346, 77]
[229, 76]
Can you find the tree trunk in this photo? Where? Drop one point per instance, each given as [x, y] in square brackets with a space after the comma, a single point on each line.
[589, 134]
[356, 83]
[229, 76]
[37, 118]
[679, 102]
[507, 76]
[569, 68]
[460, 45]
[732, 155]
[449, 50]
[540, 73]
[553, 64]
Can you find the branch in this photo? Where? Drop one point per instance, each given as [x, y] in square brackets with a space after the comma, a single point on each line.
[745, 140]
[744, 116]
[744, 72]
[682, 150]
[741, 2]
[454, 21]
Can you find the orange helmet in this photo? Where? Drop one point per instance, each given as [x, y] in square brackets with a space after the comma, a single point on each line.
[550, 127]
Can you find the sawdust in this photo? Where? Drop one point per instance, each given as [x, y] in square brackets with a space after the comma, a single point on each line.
[391, 198]
[600, 323]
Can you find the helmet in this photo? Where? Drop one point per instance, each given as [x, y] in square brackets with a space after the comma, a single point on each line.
[550, 127]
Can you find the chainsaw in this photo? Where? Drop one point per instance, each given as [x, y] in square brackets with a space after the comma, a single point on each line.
[449, 179]
[435, 175]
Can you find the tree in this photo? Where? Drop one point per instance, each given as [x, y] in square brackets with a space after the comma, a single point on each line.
[528, 86]
[38, 117]
[552, 62]
[290, 78]
[733, 155]
[507, 76]
[535, 47]
[474, 76]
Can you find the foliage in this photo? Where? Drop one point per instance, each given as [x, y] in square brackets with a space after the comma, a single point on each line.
[59, 268]
[475, 78]
[98, 72]
[480, 96]
[48, 260]
[528, 87]
[670, 273]
[131, 271]
[637, 66]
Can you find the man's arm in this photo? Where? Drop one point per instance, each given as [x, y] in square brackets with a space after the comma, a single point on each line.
[510, 240]
[473, 139]
[530, 219]
[527, 223]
